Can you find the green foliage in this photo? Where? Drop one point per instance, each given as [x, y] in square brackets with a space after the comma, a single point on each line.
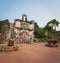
[4, 22]
[49, 27]
[47, 32]
[36, 25]
[53, 23]
[0, 25]
[38, 32]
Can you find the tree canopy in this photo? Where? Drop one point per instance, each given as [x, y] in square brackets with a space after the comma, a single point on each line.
[4, 22]
[53, 23]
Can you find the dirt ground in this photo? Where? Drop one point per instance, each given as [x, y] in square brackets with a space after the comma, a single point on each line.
[32, 53]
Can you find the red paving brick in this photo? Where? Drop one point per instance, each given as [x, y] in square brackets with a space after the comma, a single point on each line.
[32, 53]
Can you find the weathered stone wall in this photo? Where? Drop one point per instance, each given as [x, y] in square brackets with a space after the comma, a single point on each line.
[20, 26]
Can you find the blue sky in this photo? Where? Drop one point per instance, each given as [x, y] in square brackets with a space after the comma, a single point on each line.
[41, 11]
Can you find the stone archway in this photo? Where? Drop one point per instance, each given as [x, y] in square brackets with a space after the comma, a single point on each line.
[24, 37]
[24, 17]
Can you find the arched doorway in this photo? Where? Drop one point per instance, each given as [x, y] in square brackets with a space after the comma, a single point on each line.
[25, 37]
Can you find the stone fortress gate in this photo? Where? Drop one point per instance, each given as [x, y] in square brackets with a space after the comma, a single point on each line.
[23, 30]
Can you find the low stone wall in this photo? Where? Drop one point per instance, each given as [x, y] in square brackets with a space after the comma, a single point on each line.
[8, 48]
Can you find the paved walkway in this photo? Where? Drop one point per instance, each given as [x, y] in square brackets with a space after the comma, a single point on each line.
[32, 53]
